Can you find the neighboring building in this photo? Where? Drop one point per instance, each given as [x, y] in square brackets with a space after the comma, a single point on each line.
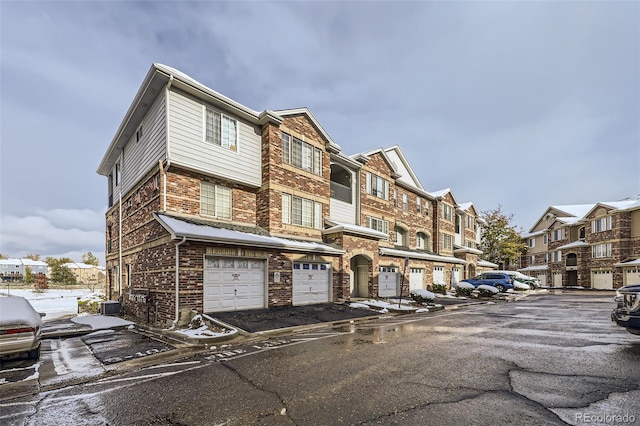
[589, 245]
[85, 273]
[216, 207]
[15, 269]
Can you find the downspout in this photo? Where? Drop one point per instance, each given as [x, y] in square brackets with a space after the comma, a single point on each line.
[168, 145]
[175, 321]
[120, 183]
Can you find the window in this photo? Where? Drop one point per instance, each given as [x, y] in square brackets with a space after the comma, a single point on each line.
[601, 250]
[401, 236]
[546, 257]
[470, 244]
[215, 200]
[139, 133]
[395, 198]
[377, 186]
[301, 154]
[602, 224]
[469, 222]
[301, 211]
[419, 205]
[532, 242]
[221, 130]
[426, 207]
[117, 174]
[556, 256]
[544, 239]
[447, 212]
[378, 224]
[557, 234]
[387, 269]
[458, 224]
[447, 242]
[405, 202]
[532, 260]
[423, 241]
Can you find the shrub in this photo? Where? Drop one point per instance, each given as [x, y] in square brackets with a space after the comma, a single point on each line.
[487, 291]
[439, 288]
[422, 296]
[463, 291]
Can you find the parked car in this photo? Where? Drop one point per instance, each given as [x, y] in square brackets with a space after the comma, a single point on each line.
[627, 313]
[499, 280]
[532, 282]
[20, 327]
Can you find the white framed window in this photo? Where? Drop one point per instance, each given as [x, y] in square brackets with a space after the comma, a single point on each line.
[426, 207]
[601, 224]
[377, 186]
[532, 242]
[301, 154]
[556, 256]
[469, 222]
[405, 202]
[420, 241]
[557, 234]
[546, 257]
[215, 200]
[418, 205]
[117, 174]
[221, 129]
[378, 224]
[532, 260]
[139, 133]
[447, 212]
[401, 236]
[601, 250]
[395, 197]
[544, 239]
[301, 211]
[387, 269]
[447, 241]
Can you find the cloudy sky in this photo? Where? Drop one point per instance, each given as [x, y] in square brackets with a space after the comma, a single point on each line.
[518, 104]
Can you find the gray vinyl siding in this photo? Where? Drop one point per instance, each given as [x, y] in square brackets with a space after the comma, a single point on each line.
[141, 156]
[188, 147]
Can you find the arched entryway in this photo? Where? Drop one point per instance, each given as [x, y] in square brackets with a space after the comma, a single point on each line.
[360, 274]
[471, 271]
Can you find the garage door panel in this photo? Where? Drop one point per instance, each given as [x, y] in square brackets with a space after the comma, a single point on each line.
[310, 283]
[233, 284]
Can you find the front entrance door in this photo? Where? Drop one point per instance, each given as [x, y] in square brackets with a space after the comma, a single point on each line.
[572, 278]
[360, 267]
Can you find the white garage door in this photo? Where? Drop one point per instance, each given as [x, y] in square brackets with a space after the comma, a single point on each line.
[310, 283]
[601, 279]
[438, 275]
[543, 279]
[233, 284]
[557, 279]
[416, 278]
[388, 281]
[631, 276]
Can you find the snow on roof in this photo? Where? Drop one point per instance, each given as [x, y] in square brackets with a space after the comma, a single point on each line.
[30, 262]
[10, 262]
[463, 249]
[465, 206]
[634, 262]
[534, 234]
[576, 210]
[201, 232]
[441, 193]
[574, 244]
[79, 265]
[535, 268]
[486, 264]
[354, 229]
[419, 255]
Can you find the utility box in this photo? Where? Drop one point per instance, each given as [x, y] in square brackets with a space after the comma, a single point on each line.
[110, 307]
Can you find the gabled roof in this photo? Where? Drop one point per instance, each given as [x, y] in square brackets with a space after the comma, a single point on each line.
[629, 204]
[331, 145]
[201, 230]
[564, 212]
[443, 193]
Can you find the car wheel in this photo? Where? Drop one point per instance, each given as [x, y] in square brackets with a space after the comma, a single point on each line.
[532, 286]
[34, 354]
[500, 288]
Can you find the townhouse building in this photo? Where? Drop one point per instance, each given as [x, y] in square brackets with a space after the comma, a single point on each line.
[214, 207]
[590, 245]
[16, 269]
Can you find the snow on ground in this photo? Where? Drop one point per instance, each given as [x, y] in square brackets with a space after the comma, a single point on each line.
[102, 322]
[204, 327]
[55, 303]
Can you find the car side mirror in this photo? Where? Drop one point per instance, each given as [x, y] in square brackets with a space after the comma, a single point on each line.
[42, 314]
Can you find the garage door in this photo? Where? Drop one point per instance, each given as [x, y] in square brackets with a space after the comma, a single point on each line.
[233, 284]
[543, 279]
[602, 279]
[631, 276]
[438, 275]
[310, 283]
[388, 281]
[416, 278]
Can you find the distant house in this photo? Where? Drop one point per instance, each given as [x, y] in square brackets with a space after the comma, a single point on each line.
[36, 266]
[85, 273]
[11, 270]
[593, 245]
